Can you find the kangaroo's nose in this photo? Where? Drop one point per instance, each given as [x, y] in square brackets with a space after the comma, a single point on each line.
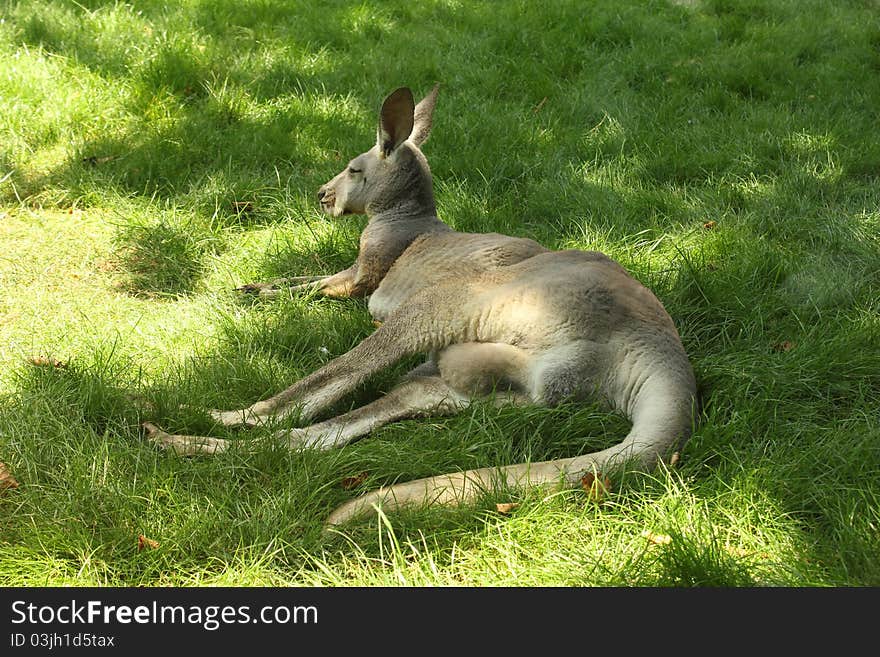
[321, 194]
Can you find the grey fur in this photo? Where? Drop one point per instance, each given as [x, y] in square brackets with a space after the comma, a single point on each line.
[500, 317]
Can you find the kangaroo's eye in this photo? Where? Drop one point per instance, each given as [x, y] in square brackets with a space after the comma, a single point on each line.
[353, 170]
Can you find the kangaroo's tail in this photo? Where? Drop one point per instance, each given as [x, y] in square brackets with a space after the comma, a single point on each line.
[662, 418]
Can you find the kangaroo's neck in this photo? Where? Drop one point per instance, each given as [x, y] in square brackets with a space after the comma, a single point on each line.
[400, 210]
[405, 188]
[385, 238]
[404, 207]
[408, 217]
[388, 234]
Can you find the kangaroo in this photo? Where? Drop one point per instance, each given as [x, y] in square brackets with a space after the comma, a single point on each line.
[499, 317]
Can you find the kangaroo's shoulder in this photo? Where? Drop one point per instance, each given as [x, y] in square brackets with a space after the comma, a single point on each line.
[483, 250]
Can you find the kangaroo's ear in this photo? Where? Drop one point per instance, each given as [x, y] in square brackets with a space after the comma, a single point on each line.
[395, 120]
[424, 117]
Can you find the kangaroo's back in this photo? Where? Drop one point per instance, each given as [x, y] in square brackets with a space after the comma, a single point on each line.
[436, 259]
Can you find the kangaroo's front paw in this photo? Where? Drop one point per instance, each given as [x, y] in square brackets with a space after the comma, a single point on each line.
[264, 290]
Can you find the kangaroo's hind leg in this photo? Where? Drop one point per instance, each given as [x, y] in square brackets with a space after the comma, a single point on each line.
[183, 445]
[461, 373]
[423, 392]
[415, 396]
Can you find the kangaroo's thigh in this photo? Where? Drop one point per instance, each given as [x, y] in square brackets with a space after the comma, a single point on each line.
[483, 368]
[572, 371]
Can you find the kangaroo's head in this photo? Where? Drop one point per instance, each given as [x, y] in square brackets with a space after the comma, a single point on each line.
[393, 176]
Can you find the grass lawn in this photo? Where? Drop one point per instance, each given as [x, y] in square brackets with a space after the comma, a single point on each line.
[155, 155]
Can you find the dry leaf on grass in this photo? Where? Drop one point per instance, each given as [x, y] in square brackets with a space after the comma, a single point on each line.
[785, 345]
[709, 225]
[6, 478]
[657, 539]
[353, 482]
[42, 361]
[506, 507]
[595, 486]
[146, 543]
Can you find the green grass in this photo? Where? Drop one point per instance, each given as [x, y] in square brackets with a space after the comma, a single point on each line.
[155, 155]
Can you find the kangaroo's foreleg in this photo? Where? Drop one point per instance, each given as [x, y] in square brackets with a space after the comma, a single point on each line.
[273, 288]
[336, 285]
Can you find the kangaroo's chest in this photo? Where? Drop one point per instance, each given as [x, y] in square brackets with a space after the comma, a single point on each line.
[404, 281]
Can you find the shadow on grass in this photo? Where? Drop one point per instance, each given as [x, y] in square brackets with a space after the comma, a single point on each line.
[207, 126]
